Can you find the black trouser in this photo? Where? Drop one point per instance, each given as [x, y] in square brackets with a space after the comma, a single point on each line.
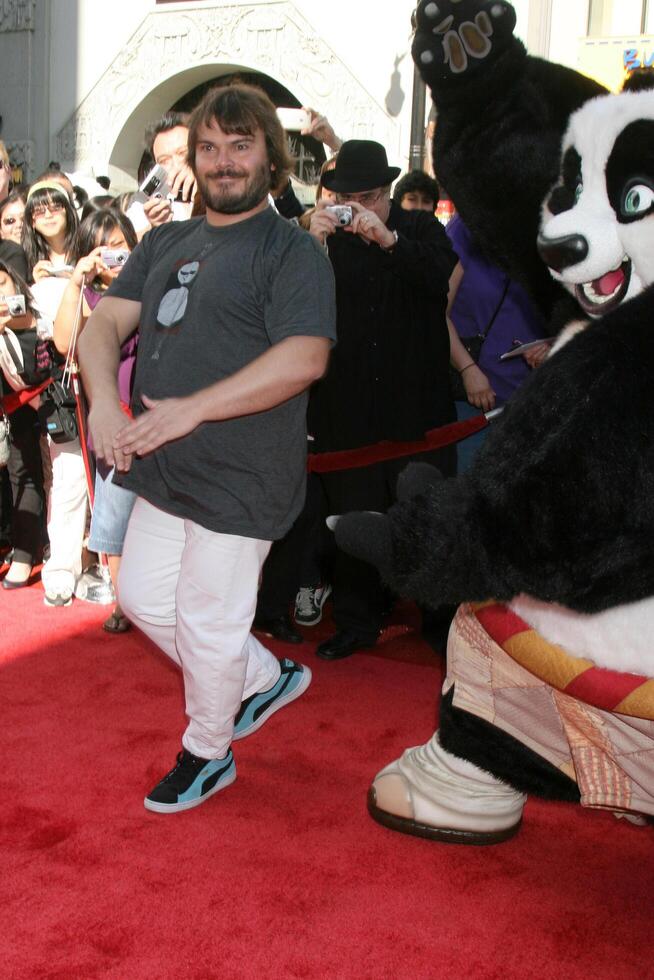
[5, 506]
[295, 560]
[26, 478]
[359, 597]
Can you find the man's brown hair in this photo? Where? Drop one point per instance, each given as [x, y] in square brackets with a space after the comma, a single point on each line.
[243, 109]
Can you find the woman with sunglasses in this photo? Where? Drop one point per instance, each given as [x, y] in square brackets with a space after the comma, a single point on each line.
[12, 210]
[49, 228]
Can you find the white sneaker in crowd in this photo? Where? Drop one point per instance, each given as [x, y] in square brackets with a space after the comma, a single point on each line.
[94, 585]
[309, 602]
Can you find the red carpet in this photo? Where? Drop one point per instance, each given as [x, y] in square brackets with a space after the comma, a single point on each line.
[283, 875]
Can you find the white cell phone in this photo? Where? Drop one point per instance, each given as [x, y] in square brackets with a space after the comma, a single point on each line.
[293, 119]
[520, 350]
[62, 271]
[155, 184]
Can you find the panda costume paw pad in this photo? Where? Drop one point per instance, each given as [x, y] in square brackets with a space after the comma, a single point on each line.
[454, 36]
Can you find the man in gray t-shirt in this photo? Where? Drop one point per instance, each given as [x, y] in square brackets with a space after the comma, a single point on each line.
[236, 315]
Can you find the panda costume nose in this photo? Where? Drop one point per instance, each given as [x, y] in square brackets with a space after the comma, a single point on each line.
[561, 253]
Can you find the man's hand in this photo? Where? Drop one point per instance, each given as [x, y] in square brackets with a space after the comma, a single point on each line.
[106, 419]
[164, 421]
[184, 181]
[321, 129]
[158, 211]
[369, 226]
[323, 223]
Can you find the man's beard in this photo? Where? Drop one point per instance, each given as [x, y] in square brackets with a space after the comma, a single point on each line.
[230, 200]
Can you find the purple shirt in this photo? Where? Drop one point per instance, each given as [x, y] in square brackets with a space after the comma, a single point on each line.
[479, 296]
[127, 353]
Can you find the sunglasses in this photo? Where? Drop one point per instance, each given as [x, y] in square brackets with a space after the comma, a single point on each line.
[40, 209]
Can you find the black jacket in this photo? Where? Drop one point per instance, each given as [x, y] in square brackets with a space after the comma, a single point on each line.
[388, 375]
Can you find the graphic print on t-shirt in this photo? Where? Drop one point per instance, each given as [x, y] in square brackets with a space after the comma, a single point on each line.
[174, 301]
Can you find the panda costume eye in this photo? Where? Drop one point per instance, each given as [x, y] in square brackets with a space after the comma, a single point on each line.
[579, 189]
[638, 199]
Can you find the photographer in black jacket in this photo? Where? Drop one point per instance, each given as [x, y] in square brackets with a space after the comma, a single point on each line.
[388, 376]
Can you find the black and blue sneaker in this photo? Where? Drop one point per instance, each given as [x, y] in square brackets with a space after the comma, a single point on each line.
[293, 681]
[192, 781]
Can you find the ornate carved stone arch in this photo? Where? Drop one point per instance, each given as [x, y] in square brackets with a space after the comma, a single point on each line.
[173, 51]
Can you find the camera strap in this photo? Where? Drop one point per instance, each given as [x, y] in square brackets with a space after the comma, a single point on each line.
[70, 366]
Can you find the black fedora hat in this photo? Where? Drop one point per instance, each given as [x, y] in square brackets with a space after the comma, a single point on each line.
[361, 165]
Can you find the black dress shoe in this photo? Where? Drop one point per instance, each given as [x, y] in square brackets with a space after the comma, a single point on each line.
[281, 628]
[343, 644]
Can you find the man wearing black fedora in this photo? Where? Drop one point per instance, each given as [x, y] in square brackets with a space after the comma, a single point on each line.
[388, 376]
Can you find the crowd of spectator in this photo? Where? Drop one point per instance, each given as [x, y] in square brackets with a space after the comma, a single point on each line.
[406, 293]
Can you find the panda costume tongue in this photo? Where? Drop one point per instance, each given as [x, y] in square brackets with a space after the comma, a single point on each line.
[609, 283]
[604, 294]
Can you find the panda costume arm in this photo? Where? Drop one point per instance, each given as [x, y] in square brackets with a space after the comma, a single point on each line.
[559, 503]
[501, 117]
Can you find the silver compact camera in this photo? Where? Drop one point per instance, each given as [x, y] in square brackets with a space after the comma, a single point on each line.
[114, 257]
[342, 213]
[15, 305]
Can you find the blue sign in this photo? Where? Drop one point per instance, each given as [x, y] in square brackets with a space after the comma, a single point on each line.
[632, 59]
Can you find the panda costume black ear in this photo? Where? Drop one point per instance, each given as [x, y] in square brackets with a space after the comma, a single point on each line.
[639, 80]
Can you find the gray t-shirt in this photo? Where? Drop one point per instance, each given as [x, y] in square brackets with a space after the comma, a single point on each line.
[214, 299]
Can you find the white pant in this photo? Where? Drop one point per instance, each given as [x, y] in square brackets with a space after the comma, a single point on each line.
[66, 517]
[194, 593]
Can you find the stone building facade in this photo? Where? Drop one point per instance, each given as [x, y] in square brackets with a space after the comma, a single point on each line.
[81, 79]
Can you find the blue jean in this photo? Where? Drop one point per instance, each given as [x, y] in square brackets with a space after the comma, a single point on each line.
[111, 512]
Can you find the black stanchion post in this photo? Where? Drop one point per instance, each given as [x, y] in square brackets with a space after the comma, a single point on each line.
[418, 105]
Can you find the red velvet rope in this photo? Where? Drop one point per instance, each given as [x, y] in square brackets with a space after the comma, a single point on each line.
[344, 459]
[350, 459]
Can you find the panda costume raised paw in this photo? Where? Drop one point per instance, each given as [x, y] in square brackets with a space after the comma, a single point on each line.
[548, 541]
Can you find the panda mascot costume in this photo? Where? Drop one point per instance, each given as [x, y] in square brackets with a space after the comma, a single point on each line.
[547, 543]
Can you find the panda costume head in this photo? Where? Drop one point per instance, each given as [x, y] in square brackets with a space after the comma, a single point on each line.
[597, 226]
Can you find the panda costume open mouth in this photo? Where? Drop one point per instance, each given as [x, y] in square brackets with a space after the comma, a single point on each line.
[606, 293]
